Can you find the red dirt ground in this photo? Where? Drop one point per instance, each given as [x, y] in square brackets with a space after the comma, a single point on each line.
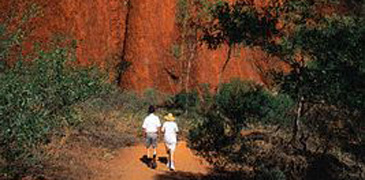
[127, 165]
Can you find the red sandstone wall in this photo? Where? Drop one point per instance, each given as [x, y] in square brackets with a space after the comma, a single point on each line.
[151, 33]
[241, 65]
[99, 26]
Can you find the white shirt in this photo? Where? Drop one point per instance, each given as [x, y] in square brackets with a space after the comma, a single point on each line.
[170, 129]
[151, 123]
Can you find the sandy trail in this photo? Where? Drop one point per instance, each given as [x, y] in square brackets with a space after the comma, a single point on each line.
[127, 165]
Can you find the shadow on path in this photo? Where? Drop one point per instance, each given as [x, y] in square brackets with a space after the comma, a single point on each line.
[180, 175]
[163, 160]
[145, 160]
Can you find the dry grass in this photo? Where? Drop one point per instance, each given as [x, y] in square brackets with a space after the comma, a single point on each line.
[108, 123]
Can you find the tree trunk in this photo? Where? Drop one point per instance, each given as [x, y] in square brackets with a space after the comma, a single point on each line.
[297, 123]
[229, 52]
[188, 73]
[192, 50]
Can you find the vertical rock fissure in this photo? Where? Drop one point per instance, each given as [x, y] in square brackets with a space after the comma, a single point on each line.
[123, 63]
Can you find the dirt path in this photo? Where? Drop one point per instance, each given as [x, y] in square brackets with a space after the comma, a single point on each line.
[127, 165]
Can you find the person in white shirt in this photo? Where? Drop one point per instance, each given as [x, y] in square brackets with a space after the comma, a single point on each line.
[151, 127]
[170, 130]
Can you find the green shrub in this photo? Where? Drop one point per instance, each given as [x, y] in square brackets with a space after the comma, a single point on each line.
[217, 134]
[244, 102]
[270, 174]
[186, 101]
[153, 96]
[5, 44]
[36, 98]
[209, 138]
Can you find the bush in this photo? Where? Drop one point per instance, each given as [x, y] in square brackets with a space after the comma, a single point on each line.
[244, 102]
[217, 135]
[270, 174]
[5, 45]
[187, 101]
[154, 97]
[36, 98]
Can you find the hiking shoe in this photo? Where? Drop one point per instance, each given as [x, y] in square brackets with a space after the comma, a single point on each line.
[153, 165]
[153, 162]
[172, 166]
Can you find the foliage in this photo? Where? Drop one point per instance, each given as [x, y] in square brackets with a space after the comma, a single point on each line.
[272, 174]
[13, 34]
[182, 11]
[325, 53]
[186, 101]
[323, 71]
[217, 135]
[337, 67]
[245, 101]
[153, 97]
[328, 76]
[3, 46]
[189, 18]
[191, 15]
[36, 98]
[237, 24]
[176, 51]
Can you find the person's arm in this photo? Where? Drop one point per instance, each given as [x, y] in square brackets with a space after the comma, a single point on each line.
[159, 129]
[176, 128]
[163, 128]
[144, 133]
[177, 132]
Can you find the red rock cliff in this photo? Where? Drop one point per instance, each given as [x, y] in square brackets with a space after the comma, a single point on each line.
[100, 27]
[97, 25]
[152, 32]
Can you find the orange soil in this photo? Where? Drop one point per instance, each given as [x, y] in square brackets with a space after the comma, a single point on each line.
[127, 165]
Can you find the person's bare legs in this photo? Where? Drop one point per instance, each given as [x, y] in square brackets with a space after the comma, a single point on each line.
[151, 145]
[171, 156]
[154, 153]
[167, 151]
[168, 155]
[148, 152]
[172, 164]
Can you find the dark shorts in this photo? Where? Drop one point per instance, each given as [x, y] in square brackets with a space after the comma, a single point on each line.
[151, 139]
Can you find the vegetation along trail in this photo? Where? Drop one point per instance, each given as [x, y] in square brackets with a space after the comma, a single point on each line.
[128, 164]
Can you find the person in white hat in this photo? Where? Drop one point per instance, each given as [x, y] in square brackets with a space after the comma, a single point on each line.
[170, 129]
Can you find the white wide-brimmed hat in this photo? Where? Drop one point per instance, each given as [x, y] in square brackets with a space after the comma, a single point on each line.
[169, 117]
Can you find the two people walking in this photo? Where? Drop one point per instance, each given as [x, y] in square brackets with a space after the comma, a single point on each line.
[151, 128]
